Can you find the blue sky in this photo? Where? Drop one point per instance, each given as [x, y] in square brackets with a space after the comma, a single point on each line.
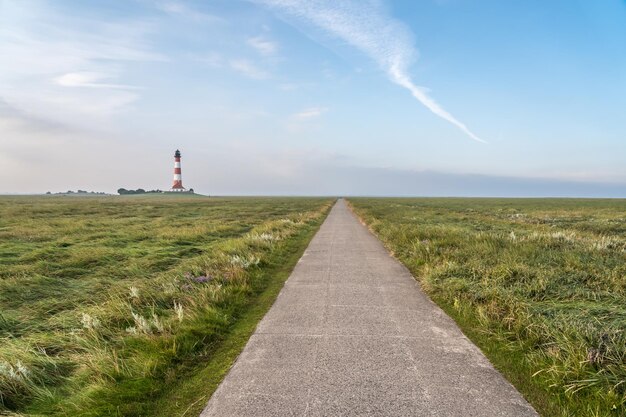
[445, 97]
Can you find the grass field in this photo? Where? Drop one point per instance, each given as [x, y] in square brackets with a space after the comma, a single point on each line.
[111, 305]
[538, 284]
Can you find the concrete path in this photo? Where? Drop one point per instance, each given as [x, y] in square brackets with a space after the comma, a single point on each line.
[351, 334]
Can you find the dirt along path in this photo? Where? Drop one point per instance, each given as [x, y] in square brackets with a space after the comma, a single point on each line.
[352, 334]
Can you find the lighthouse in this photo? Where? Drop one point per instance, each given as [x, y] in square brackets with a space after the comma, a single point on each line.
[178, 179]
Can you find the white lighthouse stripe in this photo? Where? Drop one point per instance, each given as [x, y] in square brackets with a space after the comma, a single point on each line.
[176, 164]
[177, 177]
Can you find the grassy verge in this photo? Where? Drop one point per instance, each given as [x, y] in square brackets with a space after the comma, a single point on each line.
[538, 285]
[189, 394]
[108, 304]
[509, 359]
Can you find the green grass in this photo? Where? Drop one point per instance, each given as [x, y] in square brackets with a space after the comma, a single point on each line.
[538, 284]
[195, 387]
[100, 309]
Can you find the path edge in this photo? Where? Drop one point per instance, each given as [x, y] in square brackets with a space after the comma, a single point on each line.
[497, 353]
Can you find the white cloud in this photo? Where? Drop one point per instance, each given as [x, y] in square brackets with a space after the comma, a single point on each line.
[305, 120]
[212, 59]
[310, 113]
[243, 66]
[177, 8]
[89, 80]
[44, 53]
[248, 69]
[263, 46]
[366, 26]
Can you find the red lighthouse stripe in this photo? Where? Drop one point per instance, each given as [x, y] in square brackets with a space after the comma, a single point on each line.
[176, 170]
[177, 159]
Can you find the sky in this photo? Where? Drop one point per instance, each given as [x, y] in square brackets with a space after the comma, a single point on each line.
[315, 97]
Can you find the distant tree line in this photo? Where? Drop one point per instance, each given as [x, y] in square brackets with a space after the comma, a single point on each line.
[124, 191]
[77, 192]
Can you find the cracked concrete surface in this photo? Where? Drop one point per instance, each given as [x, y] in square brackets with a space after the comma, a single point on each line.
[352, 334]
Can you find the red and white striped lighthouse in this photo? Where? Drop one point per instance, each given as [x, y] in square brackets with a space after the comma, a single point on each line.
[178, 179]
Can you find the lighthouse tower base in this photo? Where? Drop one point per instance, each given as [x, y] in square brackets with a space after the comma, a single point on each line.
[180, 191]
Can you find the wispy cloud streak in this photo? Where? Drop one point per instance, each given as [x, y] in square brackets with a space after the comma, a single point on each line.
[366, 26]
[177, 8]
[263, 46]
[310, 113]
[89, 80]
[248, 69]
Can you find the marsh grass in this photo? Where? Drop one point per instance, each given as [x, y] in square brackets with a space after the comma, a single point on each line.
[103, 299]
[539, 284]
